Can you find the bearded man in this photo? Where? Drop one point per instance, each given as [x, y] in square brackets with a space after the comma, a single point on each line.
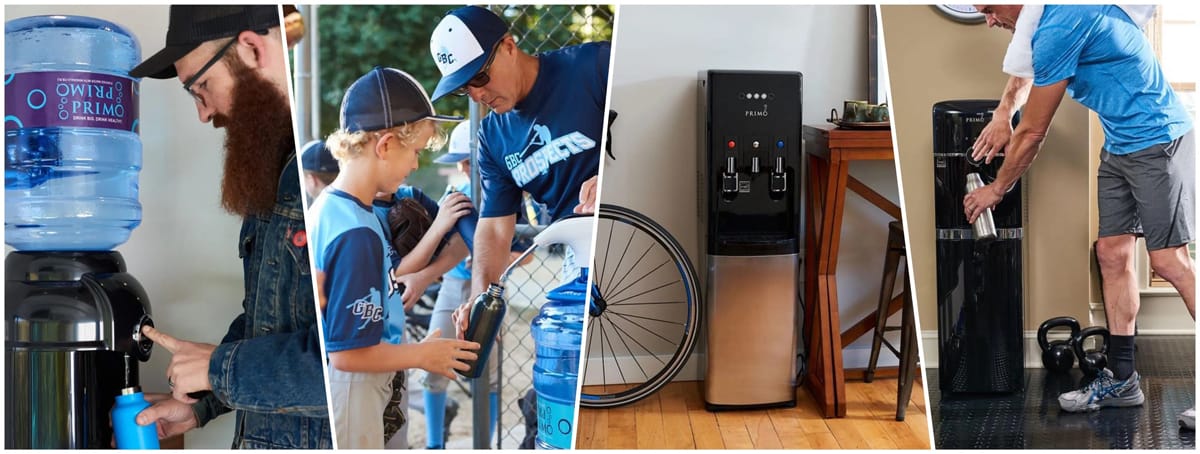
[268, 367]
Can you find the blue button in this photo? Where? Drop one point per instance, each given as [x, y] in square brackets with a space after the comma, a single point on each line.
[779, 144]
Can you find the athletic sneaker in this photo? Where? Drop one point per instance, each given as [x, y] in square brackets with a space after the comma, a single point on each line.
[1187, 419]
[1104, 391]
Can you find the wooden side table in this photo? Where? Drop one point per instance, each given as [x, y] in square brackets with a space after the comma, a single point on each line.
[830, 151]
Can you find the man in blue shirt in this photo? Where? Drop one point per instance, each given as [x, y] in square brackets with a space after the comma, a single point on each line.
[544, 134]
[1098, 55]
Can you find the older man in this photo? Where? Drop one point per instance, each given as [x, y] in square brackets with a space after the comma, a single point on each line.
[544, 134]
[268, 367]
[1098, 55]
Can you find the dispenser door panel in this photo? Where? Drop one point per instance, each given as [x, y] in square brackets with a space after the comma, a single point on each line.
[980, 328]
[752, 330]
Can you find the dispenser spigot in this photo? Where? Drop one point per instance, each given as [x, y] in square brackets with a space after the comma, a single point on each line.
[729, 178]
[778, 182]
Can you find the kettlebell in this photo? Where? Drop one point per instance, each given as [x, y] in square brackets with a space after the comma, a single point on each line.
[1091, 361]
[1057, 355]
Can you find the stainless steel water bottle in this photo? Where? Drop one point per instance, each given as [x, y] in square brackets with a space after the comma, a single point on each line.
[985, 226]
[487, 313]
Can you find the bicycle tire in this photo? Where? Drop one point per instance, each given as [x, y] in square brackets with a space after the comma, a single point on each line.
[606, 283]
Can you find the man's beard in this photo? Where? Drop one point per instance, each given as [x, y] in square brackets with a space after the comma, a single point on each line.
[258, 137]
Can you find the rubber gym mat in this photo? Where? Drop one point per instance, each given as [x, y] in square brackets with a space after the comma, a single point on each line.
[1033, 420]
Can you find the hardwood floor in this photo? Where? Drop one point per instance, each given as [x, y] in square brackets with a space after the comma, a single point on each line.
[674, 418]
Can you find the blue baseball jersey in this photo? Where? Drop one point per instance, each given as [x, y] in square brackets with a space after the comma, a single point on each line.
[393, 331]
[1111, 70]
[350, 249]
[549, 143]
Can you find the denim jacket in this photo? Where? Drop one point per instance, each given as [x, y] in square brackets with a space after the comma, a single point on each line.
[268, 366]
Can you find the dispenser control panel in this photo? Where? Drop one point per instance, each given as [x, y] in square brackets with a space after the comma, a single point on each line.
[751, 154]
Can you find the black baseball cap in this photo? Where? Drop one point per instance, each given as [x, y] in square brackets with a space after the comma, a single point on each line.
[192, 25]
[384, 98]
[316, 157]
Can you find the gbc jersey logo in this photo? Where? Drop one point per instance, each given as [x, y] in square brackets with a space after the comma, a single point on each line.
[547, 151]
[368, 309]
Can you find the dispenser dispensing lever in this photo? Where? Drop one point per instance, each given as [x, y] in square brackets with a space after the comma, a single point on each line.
[778, 177]
[729, 178]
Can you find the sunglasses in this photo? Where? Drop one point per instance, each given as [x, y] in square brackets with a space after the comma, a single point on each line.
[481, 78]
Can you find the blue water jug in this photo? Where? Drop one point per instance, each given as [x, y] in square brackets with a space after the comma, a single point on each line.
[71, 147]
[557, 336]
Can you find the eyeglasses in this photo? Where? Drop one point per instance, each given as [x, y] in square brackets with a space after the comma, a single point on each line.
[481, 78]
[187, 86]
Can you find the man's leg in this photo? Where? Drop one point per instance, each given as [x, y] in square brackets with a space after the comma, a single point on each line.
[1121, 300]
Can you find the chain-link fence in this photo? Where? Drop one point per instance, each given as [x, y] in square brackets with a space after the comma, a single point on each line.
[536, 29]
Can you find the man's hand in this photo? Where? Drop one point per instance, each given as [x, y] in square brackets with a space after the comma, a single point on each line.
[992, 139]
[188, 371]
[172, 416]
[981, 199]
[444, 356]
[414, 286]
[587, 197]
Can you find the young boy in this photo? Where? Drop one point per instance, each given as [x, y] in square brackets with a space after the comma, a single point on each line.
[386, 119]
[319, 168]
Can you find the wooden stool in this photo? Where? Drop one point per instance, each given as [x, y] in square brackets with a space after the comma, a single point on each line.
[907, 353]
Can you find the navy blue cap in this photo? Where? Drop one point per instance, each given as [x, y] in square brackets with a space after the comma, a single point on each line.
[384, 98]
[462, 43]
[315, 157]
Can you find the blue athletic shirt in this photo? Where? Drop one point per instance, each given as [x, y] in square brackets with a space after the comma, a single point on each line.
[350, 248]
[393, 331]
[1112, 71]
[549, 144]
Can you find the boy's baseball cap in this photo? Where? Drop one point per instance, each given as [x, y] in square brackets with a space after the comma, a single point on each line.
[461, 44]
[192, 25]
[385, 98]
[316, 157]
[459, 147]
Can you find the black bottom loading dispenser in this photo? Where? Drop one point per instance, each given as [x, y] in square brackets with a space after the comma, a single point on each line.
[979, 283]
[750, 122]
[72, 343]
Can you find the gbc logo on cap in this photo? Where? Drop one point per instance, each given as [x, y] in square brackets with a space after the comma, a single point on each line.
[453, 45]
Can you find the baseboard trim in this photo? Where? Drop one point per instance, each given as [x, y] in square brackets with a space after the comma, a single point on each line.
[1033, 356]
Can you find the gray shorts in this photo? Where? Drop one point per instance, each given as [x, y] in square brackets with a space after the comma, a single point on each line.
[1150, 193]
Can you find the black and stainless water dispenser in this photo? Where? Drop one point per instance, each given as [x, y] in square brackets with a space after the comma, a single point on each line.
[979, 283]
[750, 204]
[72, 342]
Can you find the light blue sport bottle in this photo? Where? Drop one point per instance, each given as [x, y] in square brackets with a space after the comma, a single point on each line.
[71, 146]
[126, 431]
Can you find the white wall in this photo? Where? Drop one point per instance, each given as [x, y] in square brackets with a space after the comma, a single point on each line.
[185, 251]
[659, 52]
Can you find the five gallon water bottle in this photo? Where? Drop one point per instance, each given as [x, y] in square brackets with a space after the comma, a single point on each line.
[71, 147]
[557, 335]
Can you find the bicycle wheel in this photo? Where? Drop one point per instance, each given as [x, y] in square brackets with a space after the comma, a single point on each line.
[645, 312]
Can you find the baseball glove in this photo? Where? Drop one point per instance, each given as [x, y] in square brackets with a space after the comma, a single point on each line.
[408, 222]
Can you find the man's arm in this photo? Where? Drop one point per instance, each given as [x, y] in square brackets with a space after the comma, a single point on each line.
[209, 407]
[493, 236]
[996, 135]
[278, 373]
[1022, 149]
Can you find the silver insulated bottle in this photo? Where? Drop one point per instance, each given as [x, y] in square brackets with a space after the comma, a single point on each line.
[985, 227]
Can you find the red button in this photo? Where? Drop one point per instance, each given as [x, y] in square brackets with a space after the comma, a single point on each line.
[731, 144]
